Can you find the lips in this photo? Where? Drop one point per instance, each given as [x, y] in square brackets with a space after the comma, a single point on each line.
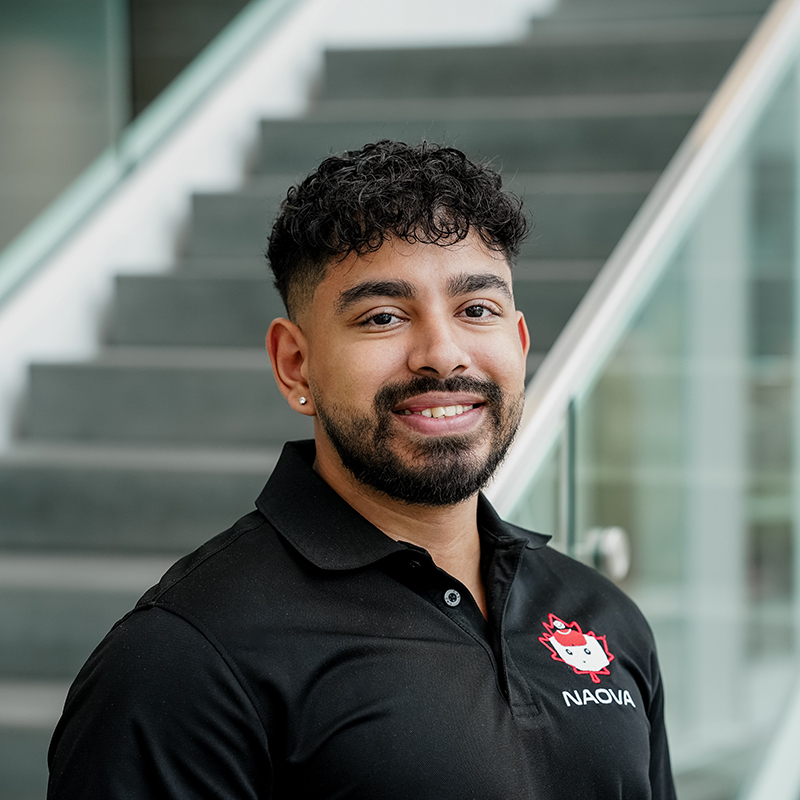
[424, 398]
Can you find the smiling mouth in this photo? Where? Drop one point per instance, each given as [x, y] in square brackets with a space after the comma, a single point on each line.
[439, 412]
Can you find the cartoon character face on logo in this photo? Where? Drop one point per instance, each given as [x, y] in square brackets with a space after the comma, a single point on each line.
[586, 653]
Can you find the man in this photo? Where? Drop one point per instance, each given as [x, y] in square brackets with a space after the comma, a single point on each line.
[373, 630]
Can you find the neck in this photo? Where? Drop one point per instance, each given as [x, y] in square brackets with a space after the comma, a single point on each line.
[448, 533]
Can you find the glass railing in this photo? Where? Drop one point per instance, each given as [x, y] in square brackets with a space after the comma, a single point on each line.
[65, 141]
[662, 436]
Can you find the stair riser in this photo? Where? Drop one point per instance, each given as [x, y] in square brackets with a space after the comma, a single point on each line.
[201, 311]
[232, 224]
[547, 308]
[596, 144]
[567, 224]
[655, 9]
[23, 762]
[86, 402]
[125, 510]
[528, 70]
[49, 634]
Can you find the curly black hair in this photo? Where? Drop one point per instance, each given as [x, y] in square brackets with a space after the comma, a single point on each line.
[356, 201]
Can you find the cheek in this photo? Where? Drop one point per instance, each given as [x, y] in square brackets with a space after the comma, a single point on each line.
[505, 363]
[351, 376]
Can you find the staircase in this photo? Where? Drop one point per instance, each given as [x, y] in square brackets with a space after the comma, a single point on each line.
[123, 463]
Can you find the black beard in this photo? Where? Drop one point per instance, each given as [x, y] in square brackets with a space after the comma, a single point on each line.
[445, 471]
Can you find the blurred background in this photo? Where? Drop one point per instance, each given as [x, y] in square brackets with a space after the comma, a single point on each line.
[144, 148]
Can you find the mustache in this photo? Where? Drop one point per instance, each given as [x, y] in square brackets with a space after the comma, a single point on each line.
[393, 393]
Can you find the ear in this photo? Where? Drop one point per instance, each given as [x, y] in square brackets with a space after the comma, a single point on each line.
[288, 350]
[524, 336]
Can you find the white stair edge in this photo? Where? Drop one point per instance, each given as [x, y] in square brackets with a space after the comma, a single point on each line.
[31, 704]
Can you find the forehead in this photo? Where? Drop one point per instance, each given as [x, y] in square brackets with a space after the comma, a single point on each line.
[423, 269]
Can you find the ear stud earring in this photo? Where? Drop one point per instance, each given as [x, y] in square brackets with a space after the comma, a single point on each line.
[302, 401]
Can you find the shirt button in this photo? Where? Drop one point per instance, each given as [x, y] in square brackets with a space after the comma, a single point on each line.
[452, 597]
[414, 564]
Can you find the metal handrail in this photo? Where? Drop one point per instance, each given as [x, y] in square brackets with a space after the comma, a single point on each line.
[643, 252]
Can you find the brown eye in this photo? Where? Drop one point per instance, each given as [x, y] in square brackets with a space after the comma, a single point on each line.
[382, 319]
[475, 311]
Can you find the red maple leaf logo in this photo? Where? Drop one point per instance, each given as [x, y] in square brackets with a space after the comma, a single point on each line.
[587, 653]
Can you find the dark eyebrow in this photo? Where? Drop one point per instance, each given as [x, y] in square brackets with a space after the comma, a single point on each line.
[468, 282]
[401, 289]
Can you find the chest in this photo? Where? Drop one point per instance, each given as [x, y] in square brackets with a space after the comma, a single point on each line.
[390, 694]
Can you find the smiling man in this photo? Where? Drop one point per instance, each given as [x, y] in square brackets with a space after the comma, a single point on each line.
[373, 629]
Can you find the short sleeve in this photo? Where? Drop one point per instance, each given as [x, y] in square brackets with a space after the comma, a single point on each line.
[158, 712]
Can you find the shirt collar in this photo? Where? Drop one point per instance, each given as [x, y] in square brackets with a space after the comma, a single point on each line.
[330, 533]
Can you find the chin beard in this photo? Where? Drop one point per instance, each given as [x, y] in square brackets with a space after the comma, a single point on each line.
[440, 471]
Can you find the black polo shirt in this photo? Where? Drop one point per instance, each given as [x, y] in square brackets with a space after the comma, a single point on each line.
[304, 654]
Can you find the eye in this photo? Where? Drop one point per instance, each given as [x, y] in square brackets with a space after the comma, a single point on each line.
[587, 651]
[482, 310]
[382, 319]
[569, 652]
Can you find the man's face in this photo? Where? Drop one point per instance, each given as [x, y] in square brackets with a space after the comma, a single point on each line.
[416, 360]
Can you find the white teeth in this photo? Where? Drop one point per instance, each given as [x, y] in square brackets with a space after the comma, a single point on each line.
[437, 412]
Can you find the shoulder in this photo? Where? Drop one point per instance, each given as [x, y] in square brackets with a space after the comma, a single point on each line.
[132, 726]
[227, 577]
[584, 582]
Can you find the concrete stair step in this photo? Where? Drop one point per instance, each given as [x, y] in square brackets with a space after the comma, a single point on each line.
[54, 609]
[547, 306]
[29, 711]
[195, 310]
[592, 31]
[251, 211]
[254, 265]
[599, 133]
[440, 114]
[654, 64]
[577, 216]
[70, 497]
[656, 9]
[211, 311]
[223, 396]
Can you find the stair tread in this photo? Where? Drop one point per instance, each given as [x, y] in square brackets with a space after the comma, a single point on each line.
[176, 358]
[257, 460]
[56, 572]
[503, 108]
[263, 186]
[31, 704]
[555, 32]
[681, 29]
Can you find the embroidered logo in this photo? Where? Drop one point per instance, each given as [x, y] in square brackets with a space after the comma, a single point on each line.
[587, 653]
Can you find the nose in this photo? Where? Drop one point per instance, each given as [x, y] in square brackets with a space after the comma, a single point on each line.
[438, 349]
